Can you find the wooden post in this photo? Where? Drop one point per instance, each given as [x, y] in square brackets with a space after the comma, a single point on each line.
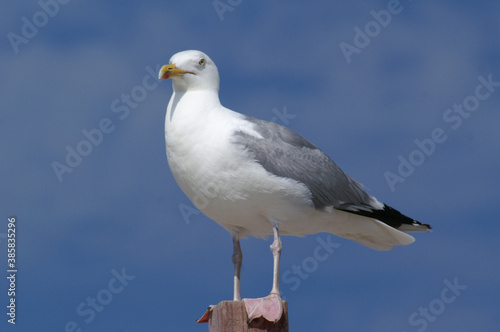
[231, 316]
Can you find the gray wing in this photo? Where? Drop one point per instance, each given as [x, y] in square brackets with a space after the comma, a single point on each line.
[285, 153]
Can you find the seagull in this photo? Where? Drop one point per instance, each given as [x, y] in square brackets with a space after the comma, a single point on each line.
[258, 178]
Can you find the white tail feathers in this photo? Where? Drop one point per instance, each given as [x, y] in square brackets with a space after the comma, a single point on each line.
[372, 233]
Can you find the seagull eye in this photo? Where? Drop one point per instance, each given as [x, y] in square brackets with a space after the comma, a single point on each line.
[202, 62]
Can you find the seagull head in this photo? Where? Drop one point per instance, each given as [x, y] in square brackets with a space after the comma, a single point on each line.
[191, 70]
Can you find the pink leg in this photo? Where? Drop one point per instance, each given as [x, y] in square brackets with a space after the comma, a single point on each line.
[276, 250]
[269, 307]
[237, 261]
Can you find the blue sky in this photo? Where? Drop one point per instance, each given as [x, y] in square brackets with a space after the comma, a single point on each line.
[110, 226]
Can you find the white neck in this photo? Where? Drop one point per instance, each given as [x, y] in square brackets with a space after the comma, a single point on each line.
[192, 105]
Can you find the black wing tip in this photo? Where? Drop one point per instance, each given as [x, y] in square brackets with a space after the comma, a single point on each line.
[424, 225]
[395, 216]
[389, 216]
[401, 218]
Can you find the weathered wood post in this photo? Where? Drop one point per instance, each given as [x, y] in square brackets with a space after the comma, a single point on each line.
[231, 316]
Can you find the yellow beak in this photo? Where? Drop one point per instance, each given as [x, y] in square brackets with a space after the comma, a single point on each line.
[169, 70]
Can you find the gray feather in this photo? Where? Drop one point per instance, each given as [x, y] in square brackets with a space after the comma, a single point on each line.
[285, 153]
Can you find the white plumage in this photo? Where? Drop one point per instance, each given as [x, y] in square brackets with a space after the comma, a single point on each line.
[255, 177]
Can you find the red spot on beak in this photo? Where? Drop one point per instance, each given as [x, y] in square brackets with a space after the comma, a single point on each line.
[166, 75]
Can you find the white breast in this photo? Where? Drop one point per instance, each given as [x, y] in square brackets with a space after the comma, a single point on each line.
[220, 178]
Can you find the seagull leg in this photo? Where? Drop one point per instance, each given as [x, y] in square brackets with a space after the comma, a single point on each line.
[237, 261]
[276, 250]
[271, 306]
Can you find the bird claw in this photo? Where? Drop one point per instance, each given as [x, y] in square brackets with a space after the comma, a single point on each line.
[269, 307]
